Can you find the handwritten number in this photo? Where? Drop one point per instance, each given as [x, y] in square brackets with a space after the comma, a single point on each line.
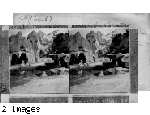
[29, 18]
[51, 18]
[4, 109]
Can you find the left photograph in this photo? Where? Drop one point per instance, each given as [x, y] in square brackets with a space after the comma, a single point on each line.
[38, 62]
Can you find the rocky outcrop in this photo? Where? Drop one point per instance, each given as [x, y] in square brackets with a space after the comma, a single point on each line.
[41, 42]
[78, 43]
[73, 44]
[92, 39]
[38, 43]
[61, 43]
[98, 43]
[98, 37]
[18, 43]
[94, 43]
[45, 39]
[35, 45]
[33, 37]
[120, 43]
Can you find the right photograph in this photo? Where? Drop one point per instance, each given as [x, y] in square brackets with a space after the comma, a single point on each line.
[99, 60]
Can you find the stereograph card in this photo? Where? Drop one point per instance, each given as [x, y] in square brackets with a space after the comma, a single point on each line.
[134, 20]
[94, 77]
[76, 58]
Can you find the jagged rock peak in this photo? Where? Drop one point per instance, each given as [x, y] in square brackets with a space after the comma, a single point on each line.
[99, 34]
[40, 32]
[33, 32]
[49, 34]
[91, 34]
[78, 34]
[19, 34]
[71, 35]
